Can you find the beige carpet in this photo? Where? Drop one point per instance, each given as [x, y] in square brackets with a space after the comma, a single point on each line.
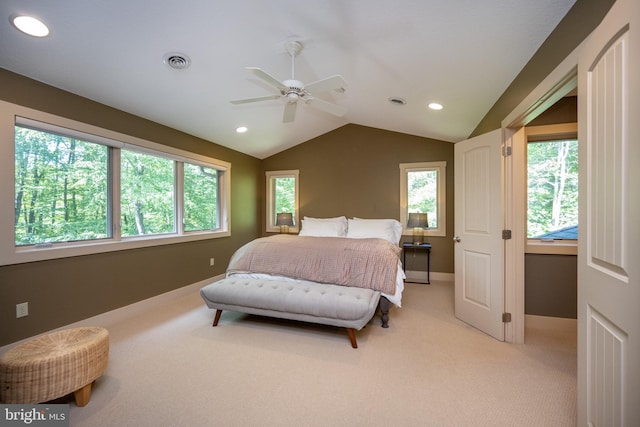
[169, 367]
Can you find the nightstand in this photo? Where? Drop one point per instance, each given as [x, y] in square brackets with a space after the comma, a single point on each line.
[419, 247]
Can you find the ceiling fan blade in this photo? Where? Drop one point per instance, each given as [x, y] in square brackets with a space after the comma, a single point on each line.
[330, 83]
[289, 112]
[261, 98]
[328, 107]
[267, 78]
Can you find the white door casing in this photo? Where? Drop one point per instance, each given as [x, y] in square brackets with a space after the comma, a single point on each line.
[479, 295]
[609, 243]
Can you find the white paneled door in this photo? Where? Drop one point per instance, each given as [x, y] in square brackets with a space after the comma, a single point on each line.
[479, 296]
[609, 241]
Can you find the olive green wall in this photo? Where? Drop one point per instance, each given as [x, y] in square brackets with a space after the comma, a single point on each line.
[67, 290]
[354, 171]
[551, 285]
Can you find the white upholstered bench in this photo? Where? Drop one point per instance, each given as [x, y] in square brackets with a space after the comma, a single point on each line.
[326, 304]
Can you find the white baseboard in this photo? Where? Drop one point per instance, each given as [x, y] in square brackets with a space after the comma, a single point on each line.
[421, 276]
[556, 323]
[132, 310]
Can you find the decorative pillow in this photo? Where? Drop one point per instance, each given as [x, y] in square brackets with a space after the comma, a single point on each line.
[324, 227]
[388, 229]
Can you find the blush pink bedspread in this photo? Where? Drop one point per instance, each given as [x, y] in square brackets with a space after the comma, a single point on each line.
[364, 263]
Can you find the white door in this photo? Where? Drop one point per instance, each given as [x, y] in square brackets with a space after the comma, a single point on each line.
[479, 297]
[609, 241]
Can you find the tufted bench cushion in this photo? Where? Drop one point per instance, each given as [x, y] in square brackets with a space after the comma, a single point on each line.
[335, 305]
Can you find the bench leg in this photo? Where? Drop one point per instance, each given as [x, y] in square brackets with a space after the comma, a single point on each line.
[83, 395]
[384, 310]
[217, 318]
[352, 337]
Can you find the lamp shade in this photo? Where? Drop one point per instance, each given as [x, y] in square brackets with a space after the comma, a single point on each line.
[418, 220]
[284, 218]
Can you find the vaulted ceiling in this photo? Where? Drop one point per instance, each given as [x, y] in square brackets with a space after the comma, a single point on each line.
[462, 54]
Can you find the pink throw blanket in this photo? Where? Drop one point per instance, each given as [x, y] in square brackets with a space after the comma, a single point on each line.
[364, 263]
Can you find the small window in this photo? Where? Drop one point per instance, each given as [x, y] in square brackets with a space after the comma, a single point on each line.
[552, 187]
[282, 197]
[422, 190]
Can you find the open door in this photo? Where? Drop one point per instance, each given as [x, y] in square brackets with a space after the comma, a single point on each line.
[479, 294]
[609, 243]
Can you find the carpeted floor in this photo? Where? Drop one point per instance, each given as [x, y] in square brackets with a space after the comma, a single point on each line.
[169, 367]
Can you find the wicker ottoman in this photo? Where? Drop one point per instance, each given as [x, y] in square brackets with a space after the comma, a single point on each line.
[53, 365]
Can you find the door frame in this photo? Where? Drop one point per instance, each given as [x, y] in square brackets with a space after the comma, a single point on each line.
[562, 80]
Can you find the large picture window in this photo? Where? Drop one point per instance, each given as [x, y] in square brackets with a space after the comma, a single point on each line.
[422, 190]
[77, 189]
[61, 191]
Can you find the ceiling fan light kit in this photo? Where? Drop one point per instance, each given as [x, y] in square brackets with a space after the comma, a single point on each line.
[293, 90]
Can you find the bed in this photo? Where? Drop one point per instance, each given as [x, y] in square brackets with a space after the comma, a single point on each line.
[351, 252]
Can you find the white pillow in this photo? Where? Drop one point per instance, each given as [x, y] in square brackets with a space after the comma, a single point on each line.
[324, 227]
[388, 229]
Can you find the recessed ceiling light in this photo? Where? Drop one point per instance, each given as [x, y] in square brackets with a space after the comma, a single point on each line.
[242, 129]
[397, 101]
[435, 106]
[30, 25]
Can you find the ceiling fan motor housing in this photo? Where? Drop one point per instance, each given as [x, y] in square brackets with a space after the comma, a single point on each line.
[294, 90]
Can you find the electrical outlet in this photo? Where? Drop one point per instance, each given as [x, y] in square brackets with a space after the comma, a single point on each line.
[211, 262]
[22, 310]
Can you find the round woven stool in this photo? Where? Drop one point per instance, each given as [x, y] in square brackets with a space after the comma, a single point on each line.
[53, 365]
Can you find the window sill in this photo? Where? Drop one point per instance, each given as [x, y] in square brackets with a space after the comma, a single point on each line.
[556, 247]
[21, 255]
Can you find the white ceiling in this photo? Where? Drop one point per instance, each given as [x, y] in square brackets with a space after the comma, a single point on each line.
[460, 53]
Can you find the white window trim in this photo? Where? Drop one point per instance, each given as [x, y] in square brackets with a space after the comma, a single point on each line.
[270, 200]
[537, 246]
[441, 167]
[10, 114]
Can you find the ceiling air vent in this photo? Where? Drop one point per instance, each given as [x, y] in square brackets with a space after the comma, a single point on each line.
[397, 101]
[177, 61]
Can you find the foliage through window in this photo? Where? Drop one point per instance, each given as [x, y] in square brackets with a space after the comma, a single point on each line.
[201, 197]
[422, 194]
[61, 192]
[282, 196]
[552, 181]
[76, 190]
[147, 194]
[422, 187]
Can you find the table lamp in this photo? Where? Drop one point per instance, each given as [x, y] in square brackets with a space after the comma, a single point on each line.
[284, 220]
[418, 221]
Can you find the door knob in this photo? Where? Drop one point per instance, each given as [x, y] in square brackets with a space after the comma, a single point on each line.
[456, 239]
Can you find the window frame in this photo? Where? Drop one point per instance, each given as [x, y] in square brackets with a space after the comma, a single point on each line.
[270, 200]
[546, 133]
[441, 168]
[12, 115]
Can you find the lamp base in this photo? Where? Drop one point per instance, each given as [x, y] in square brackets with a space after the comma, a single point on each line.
[418, 236]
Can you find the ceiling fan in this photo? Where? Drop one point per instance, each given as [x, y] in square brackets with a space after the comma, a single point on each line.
[294, 90]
